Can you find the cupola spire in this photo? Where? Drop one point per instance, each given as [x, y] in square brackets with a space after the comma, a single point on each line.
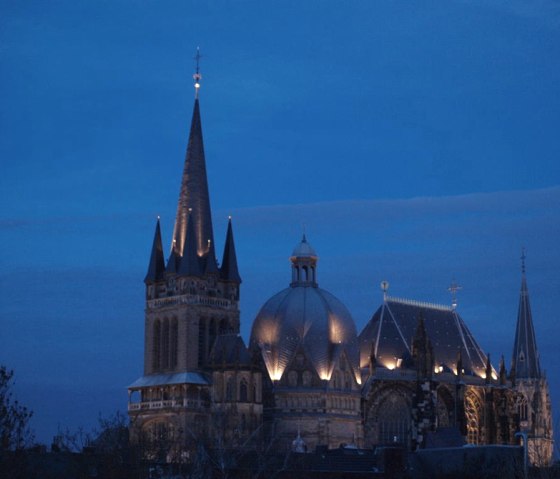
[525, 361]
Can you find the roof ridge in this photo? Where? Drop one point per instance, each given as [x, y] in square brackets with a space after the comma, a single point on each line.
[422, 304]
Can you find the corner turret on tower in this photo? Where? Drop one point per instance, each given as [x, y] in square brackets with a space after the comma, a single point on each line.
[156, 266]
[229, 271]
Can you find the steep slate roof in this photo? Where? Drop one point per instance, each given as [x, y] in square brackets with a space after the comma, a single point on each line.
[229, 270]
[157, 263]
[392, 328]
[194, 196]
[525, 359]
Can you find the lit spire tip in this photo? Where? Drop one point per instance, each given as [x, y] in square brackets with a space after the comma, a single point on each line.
[197, 76]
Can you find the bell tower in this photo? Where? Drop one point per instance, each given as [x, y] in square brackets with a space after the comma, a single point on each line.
[191, 305]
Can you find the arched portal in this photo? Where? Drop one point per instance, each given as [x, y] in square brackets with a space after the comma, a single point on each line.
[388, 419]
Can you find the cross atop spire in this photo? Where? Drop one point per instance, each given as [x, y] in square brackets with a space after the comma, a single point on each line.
[197, 76]
[453, 288]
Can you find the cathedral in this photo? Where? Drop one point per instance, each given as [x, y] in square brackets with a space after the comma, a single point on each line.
[414, 376]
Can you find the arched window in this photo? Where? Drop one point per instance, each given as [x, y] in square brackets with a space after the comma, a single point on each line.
[156, 340]
[394, 420]
[473, 411]
[201, 341]
[522, 409]
[230, 389]
[173, 339]
[243, 391]
[307, 379]
[347, 381]
[444, 406]
[165, 344]
[292, 379]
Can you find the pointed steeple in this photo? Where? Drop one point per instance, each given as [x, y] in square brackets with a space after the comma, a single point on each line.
[422, 351]
[503, 373]
[210, 262]
[525, 359]
[194, 194]
[190, 262]
[488, 375]
[229, 271]
[172, 263]
[459, 365]
[372, 360]
[157, 263]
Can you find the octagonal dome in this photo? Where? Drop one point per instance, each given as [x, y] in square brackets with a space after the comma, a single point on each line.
[305, 316]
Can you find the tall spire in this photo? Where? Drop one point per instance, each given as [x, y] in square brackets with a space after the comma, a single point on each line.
[525, 360]
[229, 269]
[157, 262]
[194, 194]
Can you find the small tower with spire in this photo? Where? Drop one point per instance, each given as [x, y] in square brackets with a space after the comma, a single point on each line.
[534, 407]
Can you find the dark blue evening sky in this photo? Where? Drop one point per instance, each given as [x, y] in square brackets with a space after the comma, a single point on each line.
[416, 141]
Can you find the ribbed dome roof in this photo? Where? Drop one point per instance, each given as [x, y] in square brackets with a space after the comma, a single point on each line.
[309, 317]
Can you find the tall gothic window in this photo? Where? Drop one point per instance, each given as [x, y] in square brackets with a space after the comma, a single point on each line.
[522, 409]
[292, 379]
[173, 339]
[201, 341]
[165, 344]
[444, 406]
[347, 381]
[230, 389]
[156, 340]
[394, 420]
[307, 376]
[473, 411]
[243, 394]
